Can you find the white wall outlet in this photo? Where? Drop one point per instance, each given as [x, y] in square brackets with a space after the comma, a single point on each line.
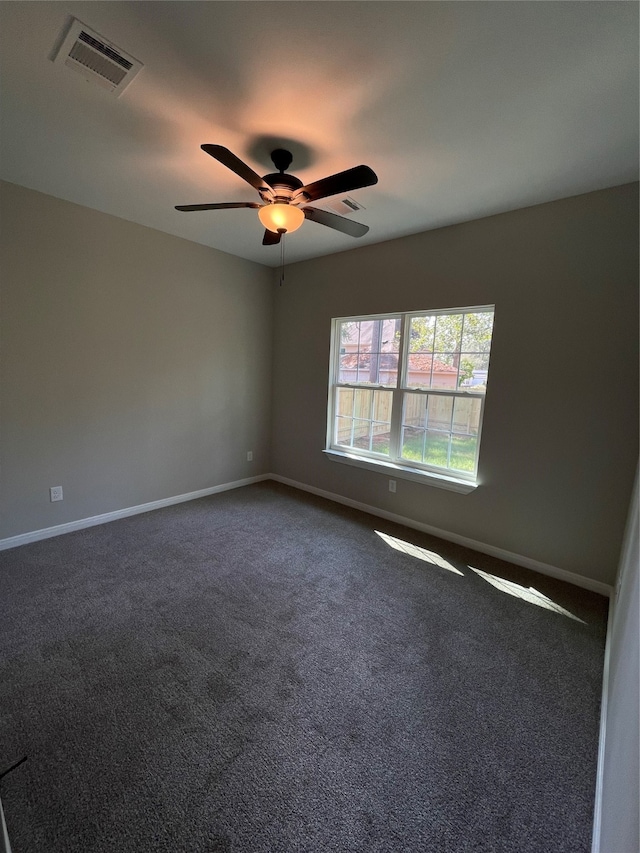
[249, 455]
[392, 486]
[55, 493]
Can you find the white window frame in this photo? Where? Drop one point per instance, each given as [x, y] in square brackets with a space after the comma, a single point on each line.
[393, 464]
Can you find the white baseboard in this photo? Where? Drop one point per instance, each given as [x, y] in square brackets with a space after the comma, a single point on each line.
[491, 550]
[81, 523]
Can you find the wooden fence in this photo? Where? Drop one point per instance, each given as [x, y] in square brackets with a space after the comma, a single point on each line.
[356, 405]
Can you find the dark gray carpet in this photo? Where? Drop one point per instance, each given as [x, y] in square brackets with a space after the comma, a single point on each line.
[259, 671]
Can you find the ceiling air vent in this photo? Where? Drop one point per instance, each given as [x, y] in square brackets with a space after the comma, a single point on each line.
[97, 59]
[343, 205]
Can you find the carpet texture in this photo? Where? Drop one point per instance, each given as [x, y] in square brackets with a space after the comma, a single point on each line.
[261, 672]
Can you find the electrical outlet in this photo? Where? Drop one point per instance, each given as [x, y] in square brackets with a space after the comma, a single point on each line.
[249, 455]
[392, 486]
[55, 493]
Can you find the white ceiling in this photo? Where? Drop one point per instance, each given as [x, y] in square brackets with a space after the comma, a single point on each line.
[463, 109]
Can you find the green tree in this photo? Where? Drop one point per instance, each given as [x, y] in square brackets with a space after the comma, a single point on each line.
[466, 370]
[452, 333]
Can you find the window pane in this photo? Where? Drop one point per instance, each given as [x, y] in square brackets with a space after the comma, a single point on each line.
[448, 333]
[439, 412]
[445, 370]
[413, 443]
[362, 403]
[388, 369]
[381, 369]
[344, 402]
[463, 452]
[366, 332]
[419, 367]
[362, 434]
[382, 401]
[436, 448]
[381, 438]
[343, 431]
[364, 367]
[431, 448]
[421, 331]
[477, 332]
[348, 368]
[363, 419]
[390, 334]
[348, 334]
[415, 410]
[369, 351]
[466, 415]
[381, 429]
[474, 370]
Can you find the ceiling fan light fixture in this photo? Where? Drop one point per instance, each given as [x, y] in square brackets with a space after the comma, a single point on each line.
[281, 217]
[282, 194]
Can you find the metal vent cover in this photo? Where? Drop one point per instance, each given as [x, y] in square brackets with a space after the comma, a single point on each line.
[344, 205]
[97, 59]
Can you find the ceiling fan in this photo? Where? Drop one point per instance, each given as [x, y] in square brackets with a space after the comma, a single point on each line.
[285, 198]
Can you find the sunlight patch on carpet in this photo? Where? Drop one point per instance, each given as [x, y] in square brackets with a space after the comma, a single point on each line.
[419, 553]
[531, 595]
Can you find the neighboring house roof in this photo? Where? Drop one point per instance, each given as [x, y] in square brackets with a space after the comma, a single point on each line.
[422, 362]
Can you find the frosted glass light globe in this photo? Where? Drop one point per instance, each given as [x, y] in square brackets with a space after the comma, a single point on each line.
[281, 217]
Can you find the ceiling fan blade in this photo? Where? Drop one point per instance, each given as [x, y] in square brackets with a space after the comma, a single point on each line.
[224, 156]
[332, 220]
[224, 206]
[270, 238]
[342, 182]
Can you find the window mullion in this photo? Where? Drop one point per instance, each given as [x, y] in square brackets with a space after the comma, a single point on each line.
[371, 421]
[404, 350]
[395, 439]
[396, 424]
[334, 374]
[453, 406]
[478, 437]
[353, 420]
[464, 317]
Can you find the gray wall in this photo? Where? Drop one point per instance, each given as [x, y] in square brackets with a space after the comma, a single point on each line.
[560, 434]
[135, 366]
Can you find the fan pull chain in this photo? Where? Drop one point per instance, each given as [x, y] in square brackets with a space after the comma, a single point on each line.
[282, 232]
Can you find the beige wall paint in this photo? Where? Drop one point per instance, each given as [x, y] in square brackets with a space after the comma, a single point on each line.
[560, 435]
[135, 365]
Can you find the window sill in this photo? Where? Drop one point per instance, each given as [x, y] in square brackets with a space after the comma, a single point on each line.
[427, 478]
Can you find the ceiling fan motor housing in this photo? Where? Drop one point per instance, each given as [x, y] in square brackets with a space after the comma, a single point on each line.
[283, 185]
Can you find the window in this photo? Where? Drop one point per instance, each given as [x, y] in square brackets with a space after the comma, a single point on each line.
[407, 391]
